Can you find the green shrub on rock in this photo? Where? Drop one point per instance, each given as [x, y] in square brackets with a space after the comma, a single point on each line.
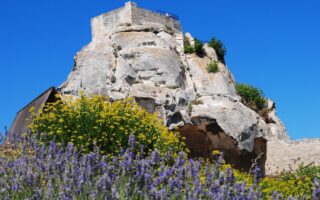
[188, 48]
[88, 121]
[213, 67]
[251, 96]
[218, 46]
[198, 47]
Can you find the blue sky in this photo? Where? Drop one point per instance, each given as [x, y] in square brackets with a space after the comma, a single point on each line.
[274, 45]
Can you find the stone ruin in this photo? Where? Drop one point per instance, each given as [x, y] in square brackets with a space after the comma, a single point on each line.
[138, 53]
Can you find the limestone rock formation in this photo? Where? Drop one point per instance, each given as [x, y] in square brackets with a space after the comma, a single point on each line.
[138, 53]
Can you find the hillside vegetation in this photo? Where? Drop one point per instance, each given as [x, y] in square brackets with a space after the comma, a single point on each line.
[120, 163]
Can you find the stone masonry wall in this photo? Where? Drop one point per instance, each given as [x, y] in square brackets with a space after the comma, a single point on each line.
[107, 22]
[284, 155]
[130, 15]
[141, 16]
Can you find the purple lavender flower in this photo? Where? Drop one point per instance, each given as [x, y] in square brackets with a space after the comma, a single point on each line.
[131, 141]
[15, 188]
[257, 175]
[230, 176]
[220, 159]
[53, 172]
[180, 160]
[316, 192]
[155, 157]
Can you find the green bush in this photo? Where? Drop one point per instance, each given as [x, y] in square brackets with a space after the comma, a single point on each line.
[213, 67]
[218, 46]
[251, 96]
[293, 187]
[198, 47]
[292, 183]
[88, 121]
[310, 171]
[188, 48]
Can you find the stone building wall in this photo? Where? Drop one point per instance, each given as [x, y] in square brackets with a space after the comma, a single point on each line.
[288, 155]
[103, 24]
[130, 15]
[142, 16]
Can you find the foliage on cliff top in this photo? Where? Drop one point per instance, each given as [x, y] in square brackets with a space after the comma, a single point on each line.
[251, 96]
[219, 47]
[188, 48]
[197, 48]
[88, 121]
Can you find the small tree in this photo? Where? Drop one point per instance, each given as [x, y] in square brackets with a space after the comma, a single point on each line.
[218, 46]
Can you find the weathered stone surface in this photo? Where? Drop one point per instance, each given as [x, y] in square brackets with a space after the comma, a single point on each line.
[207, 84]
[277, 128]
[138, 53]
[288, 155]
[205, 135]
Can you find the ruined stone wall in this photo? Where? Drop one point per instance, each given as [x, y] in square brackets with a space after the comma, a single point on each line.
[142, 16]
[283, 155]
[106, 23]
[130, 16]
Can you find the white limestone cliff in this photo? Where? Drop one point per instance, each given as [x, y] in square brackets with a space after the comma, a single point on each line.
[138, 53]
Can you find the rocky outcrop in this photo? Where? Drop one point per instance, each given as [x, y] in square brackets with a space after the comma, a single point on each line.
[205, 135]
[138, 53]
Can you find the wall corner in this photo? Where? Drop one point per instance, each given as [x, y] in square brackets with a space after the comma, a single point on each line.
[130, 4]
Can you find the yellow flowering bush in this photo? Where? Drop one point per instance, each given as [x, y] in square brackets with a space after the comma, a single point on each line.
[293, 187]
[9, 152]
[87, 122]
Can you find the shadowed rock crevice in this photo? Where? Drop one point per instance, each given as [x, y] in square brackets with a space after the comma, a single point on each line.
[146, 103]
[174, 119]
[206, 136]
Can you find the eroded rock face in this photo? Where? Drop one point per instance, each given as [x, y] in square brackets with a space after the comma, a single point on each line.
[277, 128]
[137, 53]
[205, 135]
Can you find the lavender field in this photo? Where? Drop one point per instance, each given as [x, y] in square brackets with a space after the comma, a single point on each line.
[34, 171]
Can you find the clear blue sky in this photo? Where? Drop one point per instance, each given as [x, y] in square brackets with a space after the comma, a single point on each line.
[272, 44]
